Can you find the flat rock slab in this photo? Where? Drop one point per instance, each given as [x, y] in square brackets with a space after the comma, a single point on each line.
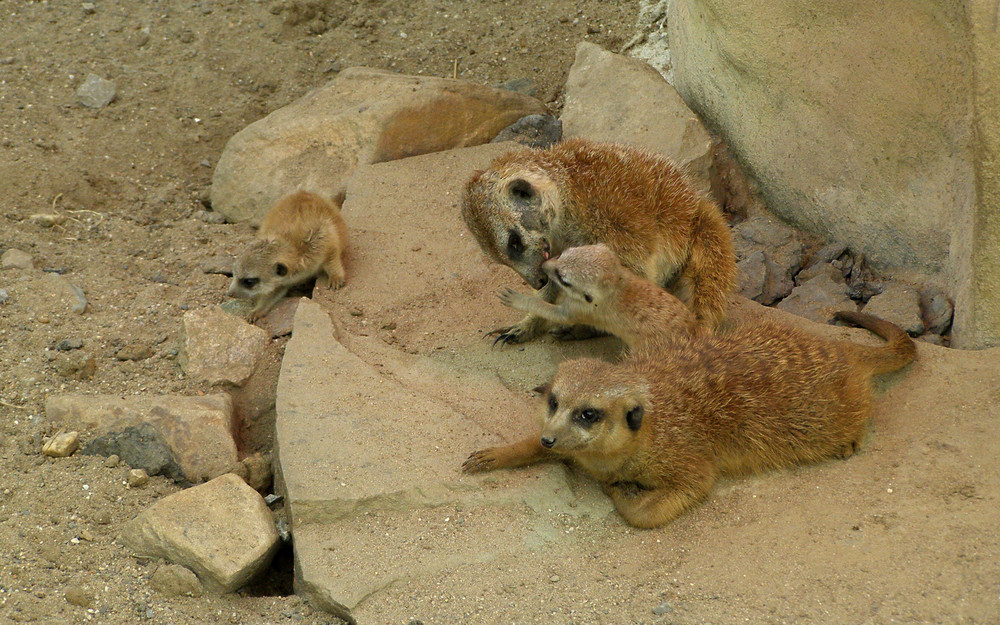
[222, 530]
[197, 429]
[385, 390]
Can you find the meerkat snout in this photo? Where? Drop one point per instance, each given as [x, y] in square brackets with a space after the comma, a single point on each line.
[548, 442]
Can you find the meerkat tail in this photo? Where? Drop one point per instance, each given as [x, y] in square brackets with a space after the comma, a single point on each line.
[898, 351]
[710, 268]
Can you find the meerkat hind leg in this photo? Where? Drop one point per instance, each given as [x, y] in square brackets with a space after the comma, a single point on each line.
[652, 508]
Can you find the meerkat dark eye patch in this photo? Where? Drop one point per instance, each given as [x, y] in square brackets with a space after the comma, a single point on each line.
[587, 297]
[515, 245]
[280, 269]
[249, 283]
[522, 190]
[588, 416]
[553, 403]
[634, 418]
[562, 280]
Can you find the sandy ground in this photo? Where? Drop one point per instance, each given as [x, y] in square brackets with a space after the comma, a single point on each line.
[130, 181]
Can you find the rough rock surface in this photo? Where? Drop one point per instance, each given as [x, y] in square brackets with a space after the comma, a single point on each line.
[222, 530]
[140, 447]
[197, 429]
[96, 92]
[220, 348]
[817, 299]
[899, 304]
[16, 259]
[648, 112]
[362, 116]
[536, 131]
[175, 580]
[937, 311]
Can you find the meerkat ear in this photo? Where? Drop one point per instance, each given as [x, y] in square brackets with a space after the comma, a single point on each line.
[543, 389]
[281, 269]
[634, 417]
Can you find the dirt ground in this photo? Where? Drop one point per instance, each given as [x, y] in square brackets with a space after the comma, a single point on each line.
[129, 183]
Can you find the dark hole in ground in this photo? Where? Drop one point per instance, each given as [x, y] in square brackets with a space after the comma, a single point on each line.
[277, 580]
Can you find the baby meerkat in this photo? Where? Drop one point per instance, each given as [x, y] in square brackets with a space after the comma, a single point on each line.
[658, 429]
[303, 236]
[531, 205]
[596, 290]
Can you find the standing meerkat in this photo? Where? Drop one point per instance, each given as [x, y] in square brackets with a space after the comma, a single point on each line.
[303, 236]
[596, 290]
[533, 204]
[658, 429]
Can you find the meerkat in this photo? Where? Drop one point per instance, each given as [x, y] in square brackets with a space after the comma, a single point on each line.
[302, 236]
[658, 429]
[532, 204]
[597, 291]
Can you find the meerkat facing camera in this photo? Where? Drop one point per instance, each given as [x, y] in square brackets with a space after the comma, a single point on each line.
[531, 205]
[596, 290]
[302, 237]
[658, 429]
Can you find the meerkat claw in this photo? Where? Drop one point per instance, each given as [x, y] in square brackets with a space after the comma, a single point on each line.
[478, 461]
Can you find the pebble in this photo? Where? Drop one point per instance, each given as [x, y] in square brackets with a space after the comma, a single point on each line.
[77, 365]
[62, 445]
[66, 345]
[96, 92]
[43, 318]
[554, 579]
[222, 265]
[78, 595]
[16, 259]
[4, 297]
[89, 8]
[112, 461]
[663, 608]
[137, 478]
[134, 351]
[211, 217]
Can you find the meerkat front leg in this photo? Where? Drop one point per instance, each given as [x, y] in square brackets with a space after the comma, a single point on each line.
[265, 303]
[332, 275]
[531, 326]
[534, 305]
[522, 453]
[648, 508]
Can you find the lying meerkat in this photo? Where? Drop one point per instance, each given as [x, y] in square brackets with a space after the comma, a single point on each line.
[303, 236]
[596, 290]
[657, 429]
[533, 204]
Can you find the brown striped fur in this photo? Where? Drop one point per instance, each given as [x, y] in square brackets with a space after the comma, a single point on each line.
[302, 237]
[675, 417]
[578, 193]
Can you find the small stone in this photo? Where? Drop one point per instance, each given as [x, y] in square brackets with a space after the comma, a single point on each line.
[220, 348]
[812, 271]
[76, 365]
[537, 131]
[102, 517]
[140, 447]
[134, 351]
[272, 499]
[112, 461]
[828, 254]
[4, 297]
[818, 299]
[554, 579]
[43, 318]
[89, 8]
[356, 312]
[16, 259]
[96, 92]
[212, 217]
[174, 580]
[663, 608]
[66, 345]
[62, 445]
[158, 278]
[78, 595]
[47, 220]
[137, 478]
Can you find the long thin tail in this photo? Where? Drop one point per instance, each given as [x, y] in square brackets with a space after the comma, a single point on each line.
[898, 351]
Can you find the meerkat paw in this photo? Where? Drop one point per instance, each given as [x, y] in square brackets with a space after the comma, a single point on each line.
[480, 461]
[513, 299]
[575, 332]
[527, 329]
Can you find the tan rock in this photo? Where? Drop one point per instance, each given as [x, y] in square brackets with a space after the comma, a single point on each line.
[362, 116]
[220, 348]
[610, 97]
[197, 429]
[62, 445]
[222, 530]
[16, 259]
[899, 304]
[817, 299]
[174, 580]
